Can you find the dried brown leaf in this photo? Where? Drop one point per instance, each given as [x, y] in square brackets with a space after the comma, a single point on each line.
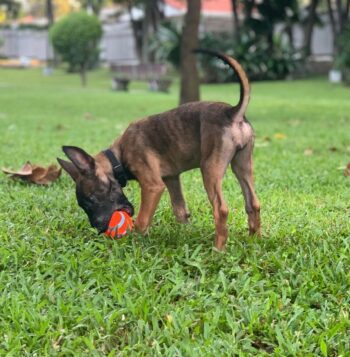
[347, 170]
[280, 136]
[38, 175]
[35, 174]
[25, 170]
[51, 174]
[88, 116]
[60, 127]
[294, 123]
[308, 152]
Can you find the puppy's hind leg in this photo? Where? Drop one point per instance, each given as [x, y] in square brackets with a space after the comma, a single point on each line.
[242, 166]
[180, 210]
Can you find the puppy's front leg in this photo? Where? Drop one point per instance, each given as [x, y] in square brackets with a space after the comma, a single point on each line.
[150, 196]
[177, 200]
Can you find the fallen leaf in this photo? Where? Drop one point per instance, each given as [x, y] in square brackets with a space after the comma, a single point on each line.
[308, 152]
[35, 173]
[280, 136]
[88, 116]
[333, 148]
[347, 170]
[294, 123]
[60, 127]
[57, 344]
[261, 145]
[53, 173]
[262, 141]
[26, 170]
[169, 318]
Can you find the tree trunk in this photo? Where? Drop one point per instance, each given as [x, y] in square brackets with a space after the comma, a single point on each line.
[50, 20]
[49, 12]
[147, 18]
[340, 15]
[135, 32]
[143, 29]
[157, 14]
[333, 26]
[289, 33]
[271, 28]
[83, 76]
[236, 26]
[270, 40]
[189, 90]
[310, 27]
[248, 9]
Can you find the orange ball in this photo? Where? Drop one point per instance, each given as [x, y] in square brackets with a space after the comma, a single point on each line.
[119, 224]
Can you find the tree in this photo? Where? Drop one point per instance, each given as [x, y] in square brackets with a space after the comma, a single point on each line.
[339, 13]
[273, 12]
[145, 28]
[189, 90]
[343, 59]
[261, 17]
[49, 12]
[92, 6]
[235, 19]
[75, 38]
[11, 7]
[309, 26]
[166, 44]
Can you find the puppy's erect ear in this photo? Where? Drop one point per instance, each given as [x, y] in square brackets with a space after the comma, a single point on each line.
[81, 159]
[70, 168]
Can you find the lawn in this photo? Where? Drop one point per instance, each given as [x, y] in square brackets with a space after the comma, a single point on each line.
[67, 291]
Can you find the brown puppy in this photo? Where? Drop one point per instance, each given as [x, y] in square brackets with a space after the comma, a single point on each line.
[157, 149]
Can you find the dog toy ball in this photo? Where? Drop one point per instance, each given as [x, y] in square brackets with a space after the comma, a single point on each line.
[119, 224]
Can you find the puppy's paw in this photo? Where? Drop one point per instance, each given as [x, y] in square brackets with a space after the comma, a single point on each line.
[141, 228]
[183, 217]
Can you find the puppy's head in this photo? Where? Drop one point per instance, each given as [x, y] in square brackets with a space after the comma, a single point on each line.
[98, 193]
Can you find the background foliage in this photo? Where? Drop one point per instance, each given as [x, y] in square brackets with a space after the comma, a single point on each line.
[76, 38]
[343, 59]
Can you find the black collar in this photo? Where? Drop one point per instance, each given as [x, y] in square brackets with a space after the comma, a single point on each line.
[118, 169]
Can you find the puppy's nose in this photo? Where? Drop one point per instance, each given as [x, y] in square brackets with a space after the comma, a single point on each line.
[129, 209]
[101, 224]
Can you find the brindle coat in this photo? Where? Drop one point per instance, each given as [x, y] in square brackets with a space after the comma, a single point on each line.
[157, 149]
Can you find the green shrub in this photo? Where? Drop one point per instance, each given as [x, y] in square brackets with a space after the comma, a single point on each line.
[166, 44]
[254, 55]
[76, 38]
[251, 51]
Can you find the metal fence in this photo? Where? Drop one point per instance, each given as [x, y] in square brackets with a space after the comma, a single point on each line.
[25, 43]
[117, 44]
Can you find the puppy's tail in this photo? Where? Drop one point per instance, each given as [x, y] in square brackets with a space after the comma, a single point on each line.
[242, 76]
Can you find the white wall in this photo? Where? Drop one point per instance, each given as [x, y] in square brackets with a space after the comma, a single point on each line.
[28, 43]
[117, 44]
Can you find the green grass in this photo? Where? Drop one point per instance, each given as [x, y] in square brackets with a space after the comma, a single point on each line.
[66, 291]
